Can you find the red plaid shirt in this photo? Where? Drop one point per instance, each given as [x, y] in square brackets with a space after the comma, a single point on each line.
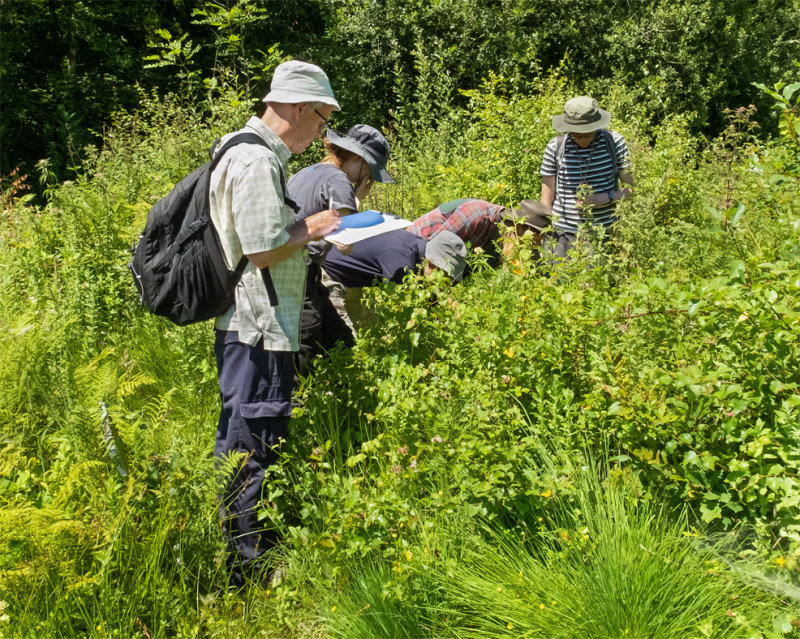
[474, 221]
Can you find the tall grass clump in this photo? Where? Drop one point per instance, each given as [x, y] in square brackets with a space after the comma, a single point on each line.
[606, 562]
[601, 559]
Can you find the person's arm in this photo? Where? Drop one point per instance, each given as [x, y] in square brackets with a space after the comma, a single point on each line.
[548, 190]
[314, 227]
[625, 174]
[625, 177]
[340, 194]
[602, 199]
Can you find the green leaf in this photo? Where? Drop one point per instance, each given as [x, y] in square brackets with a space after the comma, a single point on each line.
[355, 459]
[737, 215]
[710, 514]
[783, 623]
[789, 90]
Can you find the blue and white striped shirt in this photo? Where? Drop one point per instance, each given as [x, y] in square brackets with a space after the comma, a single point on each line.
[593, 166]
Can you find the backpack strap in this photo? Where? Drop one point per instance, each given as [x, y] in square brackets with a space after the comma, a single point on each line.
[253, 138]
[612, 149]
[561, 149]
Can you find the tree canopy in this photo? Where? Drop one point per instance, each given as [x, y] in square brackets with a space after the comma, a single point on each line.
[68, 66]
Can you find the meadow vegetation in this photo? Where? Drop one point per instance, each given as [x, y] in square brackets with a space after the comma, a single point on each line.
[603, 448]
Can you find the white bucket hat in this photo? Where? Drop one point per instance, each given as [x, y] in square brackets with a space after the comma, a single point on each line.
[296, 81]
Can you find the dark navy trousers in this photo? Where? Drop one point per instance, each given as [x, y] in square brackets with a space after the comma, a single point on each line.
[256, 391]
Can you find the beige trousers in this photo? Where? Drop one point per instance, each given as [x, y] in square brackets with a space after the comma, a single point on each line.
[347, 302]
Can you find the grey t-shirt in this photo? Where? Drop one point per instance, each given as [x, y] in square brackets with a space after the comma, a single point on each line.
[317, 188]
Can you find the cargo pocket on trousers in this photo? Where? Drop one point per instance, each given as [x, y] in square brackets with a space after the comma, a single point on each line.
[267, 421]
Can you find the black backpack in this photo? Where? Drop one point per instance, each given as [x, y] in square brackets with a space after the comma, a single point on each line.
[178, 264]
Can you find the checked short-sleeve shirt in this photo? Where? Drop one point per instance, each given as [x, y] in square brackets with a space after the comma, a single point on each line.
[250, 215]
[474, 221]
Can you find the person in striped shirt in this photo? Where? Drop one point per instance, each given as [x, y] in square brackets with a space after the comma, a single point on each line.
[582, 172]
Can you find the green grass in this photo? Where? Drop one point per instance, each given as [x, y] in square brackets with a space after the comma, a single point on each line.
[603, 561]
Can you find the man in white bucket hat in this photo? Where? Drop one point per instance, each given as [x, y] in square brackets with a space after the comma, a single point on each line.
[582, 172]
[257, 335]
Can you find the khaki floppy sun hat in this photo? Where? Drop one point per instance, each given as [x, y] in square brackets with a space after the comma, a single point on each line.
[581, 115]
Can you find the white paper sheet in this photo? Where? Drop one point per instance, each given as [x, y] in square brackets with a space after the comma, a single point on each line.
[351, 236]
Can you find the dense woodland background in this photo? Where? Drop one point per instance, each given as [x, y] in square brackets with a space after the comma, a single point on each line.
[598, 449]
[67, 67]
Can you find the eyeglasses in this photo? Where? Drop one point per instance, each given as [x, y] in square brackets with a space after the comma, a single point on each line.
[324, 121]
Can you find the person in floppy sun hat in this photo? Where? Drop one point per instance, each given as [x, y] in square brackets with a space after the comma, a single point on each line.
[367, 143]
[254, 339]
[588, 155]
[342, 180]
